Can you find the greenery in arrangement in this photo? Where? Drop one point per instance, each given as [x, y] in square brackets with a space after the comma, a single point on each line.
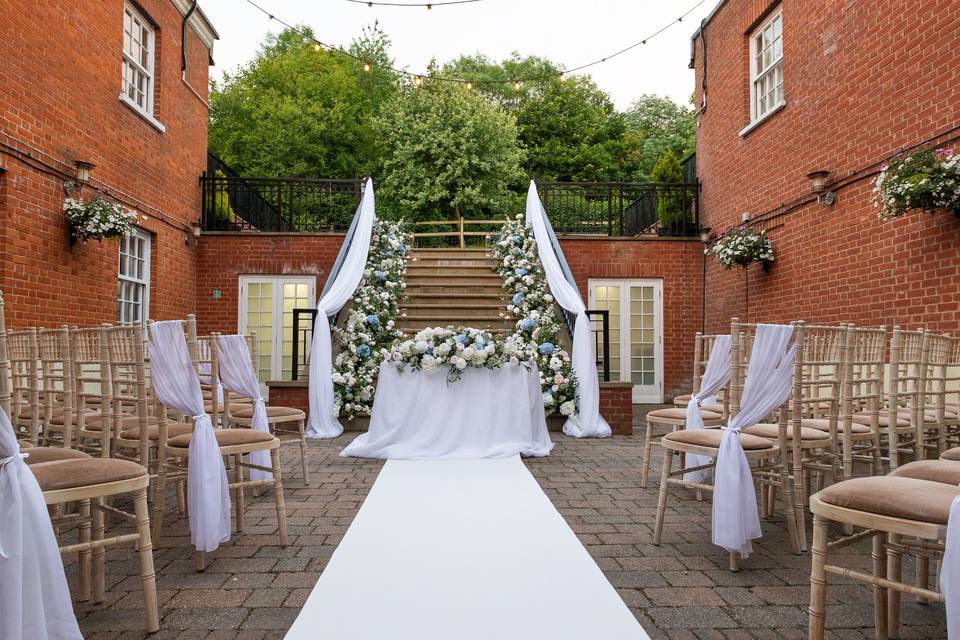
[97, 219]
[925, 180]
[450, 348]
[369, 331]
[671, 202]
[538, 330]
[741, 246]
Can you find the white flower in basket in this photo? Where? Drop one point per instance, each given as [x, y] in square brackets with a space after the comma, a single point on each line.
[97, 219]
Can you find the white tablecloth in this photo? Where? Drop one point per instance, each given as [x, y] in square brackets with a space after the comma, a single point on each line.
[487, 414]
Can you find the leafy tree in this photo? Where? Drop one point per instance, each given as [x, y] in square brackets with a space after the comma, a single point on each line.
[670, 203]
[658, 124]
[445, 148]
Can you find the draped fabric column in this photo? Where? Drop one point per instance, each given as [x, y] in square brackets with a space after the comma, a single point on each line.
[950, 571]
[323, 424]
[769, 376]
[34, 598]
[715, 377]
[177, 387]
[238, 376]
[587, 423]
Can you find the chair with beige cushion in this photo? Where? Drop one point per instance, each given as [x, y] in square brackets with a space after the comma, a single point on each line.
[952, 392]
[57, 386]
[90, 380]
[906, 394]
[23, 353]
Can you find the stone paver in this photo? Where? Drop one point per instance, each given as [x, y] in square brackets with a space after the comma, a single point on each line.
[681, 590]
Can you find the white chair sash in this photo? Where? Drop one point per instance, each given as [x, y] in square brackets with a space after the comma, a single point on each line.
[238, 376]
[715, 377]
[322, 422]
[177, 386]
[950, 571]
[587, 423]
[735, 519]
[34, 598]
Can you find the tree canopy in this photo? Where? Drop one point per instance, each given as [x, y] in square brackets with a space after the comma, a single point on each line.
[660, 125]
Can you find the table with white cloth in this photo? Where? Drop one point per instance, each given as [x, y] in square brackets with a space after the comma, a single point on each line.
[488, 413]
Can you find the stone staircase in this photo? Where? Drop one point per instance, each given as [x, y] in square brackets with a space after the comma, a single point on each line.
[453, 287]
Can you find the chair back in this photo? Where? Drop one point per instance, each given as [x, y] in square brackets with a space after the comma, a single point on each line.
[57, 381]
[702, 347]
[818, 369]
[90, 360]
[741, 347]
[4, 363]
[25, 382]
[951, 382]
[863, 375]
[130, 393]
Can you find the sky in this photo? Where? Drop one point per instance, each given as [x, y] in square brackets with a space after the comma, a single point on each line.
[569, 32]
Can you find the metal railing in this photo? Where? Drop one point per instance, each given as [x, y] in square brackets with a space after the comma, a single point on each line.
[302, 338]
[601, 336]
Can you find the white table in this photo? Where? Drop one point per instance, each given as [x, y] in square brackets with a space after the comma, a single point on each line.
[486, 414]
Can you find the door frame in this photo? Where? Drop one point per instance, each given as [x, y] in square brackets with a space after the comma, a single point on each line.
[639, 396]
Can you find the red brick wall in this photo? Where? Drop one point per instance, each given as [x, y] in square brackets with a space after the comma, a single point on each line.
[862, 80]
[59, 82]
[679, 263]
[616, 406]
[224, 257]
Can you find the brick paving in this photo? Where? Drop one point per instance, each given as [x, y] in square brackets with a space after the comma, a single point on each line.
[252, 588]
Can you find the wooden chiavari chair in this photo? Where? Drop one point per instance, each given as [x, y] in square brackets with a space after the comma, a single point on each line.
[907, 372]
[57, 384]
[936, 416]
[25, 402]
[90, 356]
[952, 392]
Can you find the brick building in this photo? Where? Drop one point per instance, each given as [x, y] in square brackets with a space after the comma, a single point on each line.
[112, 83]
[843, 86]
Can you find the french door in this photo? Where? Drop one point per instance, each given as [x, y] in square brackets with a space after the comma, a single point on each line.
[266, 306]
[636, 333]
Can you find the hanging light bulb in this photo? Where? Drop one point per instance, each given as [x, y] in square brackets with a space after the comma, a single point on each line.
[517, 85]
[429, 7]
[563, 76]
[417, 81]
[370, 4]
[469, 86]
[366, 66]
[316, 46]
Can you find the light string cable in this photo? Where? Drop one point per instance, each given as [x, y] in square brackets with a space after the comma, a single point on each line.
[428, 5]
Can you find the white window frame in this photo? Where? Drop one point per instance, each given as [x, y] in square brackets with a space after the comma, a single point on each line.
[142, 282]
[757, 76]
[139, 22]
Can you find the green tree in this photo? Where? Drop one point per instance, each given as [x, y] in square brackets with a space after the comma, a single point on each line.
[296, 111]
[670, 202]
[658, 124]
[445, 149]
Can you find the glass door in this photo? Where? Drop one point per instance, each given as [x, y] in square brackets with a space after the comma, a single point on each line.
[636, 340]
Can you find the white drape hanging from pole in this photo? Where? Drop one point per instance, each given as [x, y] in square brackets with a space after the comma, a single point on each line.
[715, 377]
[238, 376]
[769, 376]
[34, 598]
[177, 386]
[322, 423]
[588, 423]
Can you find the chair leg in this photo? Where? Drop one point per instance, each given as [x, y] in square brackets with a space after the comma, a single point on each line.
[799, 509]
[923, 575]
[647, 445]
[83, 582]
[148, 580]
[159, 499]
[734, 561]
[278, 492]
[662, 496]
[879, 593]
[894, 573]
[239, 505]
[303, 453]
[818, 580]
[99, 554]
[798, 539]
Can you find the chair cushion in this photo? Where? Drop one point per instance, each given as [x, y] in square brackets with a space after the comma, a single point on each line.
[907, 498]
[945, 471]
[823, 424]
[712, 438]
[70, 474]
[951, 454]
[153, 431]
[281, 412]
[882, 420]
[682, 400]
[127, 421]
[772, 432]
[715, 408]
[225, 438]
[57, 418]
[38, 455]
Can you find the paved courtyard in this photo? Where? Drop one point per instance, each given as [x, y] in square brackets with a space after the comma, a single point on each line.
[253, 589]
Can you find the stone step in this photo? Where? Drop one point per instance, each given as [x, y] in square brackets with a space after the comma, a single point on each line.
[473, 308]
[417, 269]
[455, 282]
[487, 263]
[454, 299]
[442, 252]
[442, 320]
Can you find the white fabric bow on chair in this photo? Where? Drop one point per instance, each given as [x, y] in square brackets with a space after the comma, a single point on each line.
[323, 424]
[715, 377]
[34, 598]
[177, 386]
[735, 519]
[587, 423]
[237, 374]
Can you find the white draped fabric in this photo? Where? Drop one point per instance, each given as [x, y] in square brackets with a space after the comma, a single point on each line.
[715, 377]
[34, 598]
[238, 376]
[769, 376]
[950, 572]
[177, 386]
[488, 413]
[322, 423]
[588, 423]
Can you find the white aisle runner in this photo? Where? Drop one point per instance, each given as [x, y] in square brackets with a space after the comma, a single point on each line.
[461, 550]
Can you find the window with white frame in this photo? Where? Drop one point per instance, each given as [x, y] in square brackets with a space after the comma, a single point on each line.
[138, 55]
[133, 299]
[766, 67]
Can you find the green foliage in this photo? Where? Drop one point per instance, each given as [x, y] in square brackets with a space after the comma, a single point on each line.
[657, 125]
[222, 210]
[670, 203]
[446, 151]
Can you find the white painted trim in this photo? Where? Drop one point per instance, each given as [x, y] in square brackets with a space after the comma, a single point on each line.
[147, 238]
[199, 21]
[756, 76]
[133, 106]
[759, 121]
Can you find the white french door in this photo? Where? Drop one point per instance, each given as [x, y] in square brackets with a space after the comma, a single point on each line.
[266, 306]
[636, 333]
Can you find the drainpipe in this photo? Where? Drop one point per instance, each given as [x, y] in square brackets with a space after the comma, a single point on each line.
[183, 40]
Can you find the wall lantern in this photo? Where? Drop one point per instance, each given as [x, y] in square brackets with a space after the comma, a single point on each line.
[818, 181]
[705, 235]
[197, 229]
[83, 170]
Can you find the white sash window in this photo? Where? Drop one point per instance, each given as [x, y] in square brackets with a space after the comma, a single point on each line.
[137, 61]
[766, 67]
[133, 299]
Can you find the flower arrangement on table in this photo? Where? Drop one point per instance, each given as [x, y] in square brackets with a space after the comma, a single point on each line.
[742, 246]
[538, 329]
[450, 348]
[97, 219]
[925, 180]
[369, 329]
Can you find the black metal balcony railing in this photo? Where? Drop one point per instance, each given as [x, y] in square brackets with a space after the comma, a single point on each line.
[303, 320]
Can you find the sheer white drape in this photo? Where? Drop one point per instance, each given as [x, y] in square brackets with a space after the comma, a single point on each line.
[323, 424]
[769, 375]
[588, 423]
[238, 376]
[950, 572]
[715, 377]
[34, 598]
[177, 386]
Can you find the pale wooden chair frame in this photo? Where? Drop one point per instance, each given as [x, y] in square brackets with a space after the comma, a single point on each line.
[90, 379]
[127, 364]
[908, 353]
[862, 388]
[23, 354]
[57, 385]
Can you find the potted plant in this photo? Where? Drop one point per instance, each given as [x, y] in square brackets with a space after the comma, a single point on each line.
[742, 246]
[97, 219]
[673, 206]
[925, 181]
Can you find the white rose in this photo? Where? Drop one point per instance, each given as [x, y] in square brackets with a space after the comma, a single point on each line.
[468, 352]
[444, 349]
[461, 364]
[421, 346]
[547, 297]
[567, 408]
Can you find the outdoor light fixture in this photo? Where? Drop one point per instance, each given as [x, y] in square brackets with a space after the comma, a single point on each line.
[196, 229]
[83, 170]
[745, 216]
[818, 181]
[705, 235]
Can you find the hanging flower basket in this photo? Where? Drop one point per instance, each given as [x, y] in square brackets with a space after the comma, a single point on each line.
[742, 246]
[97, 219]
[925, 181]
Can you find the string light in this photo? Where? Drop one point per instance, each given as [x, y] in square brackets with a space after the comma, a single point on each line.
[517, 85]
[317, 47]
[417, 81]
[469, 86]
[428, 5]
[366, 66]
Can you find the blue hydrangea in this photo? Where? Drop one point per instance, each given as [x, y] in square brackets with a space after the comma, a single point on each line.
[517, 240]
[347, 389]
[520, 272]
[527, 324]
[547, 348]
[517, 297]
[402, 250]
[363, 351]
[462, 339]
[372, 320]
[381, 275]
[389, 254]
